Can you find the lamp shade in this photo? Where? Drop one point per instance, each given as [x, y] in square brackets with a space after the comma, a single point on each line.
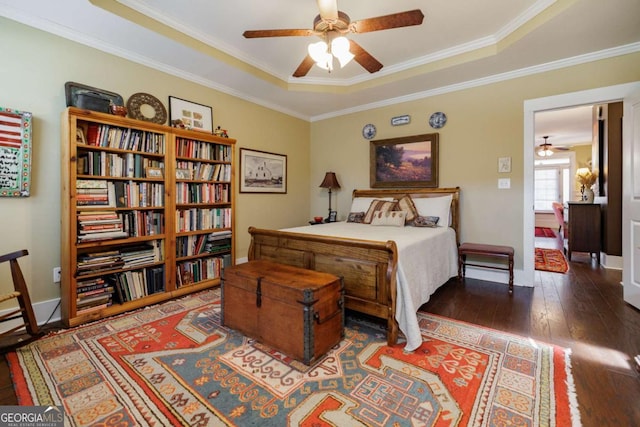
[330, 181]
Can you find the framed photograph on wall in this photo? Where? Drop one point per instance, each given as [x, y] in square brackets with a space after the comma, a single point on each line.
[262, 172]
[192, 115]
[410, 161]
[15, 152]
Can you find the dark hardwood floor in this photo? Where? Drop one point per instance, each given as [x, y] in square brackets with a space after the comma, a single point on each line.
[582, 310]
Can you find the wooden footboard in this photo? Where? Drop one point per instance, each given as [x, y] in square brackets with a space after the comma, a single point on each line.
[368, 268]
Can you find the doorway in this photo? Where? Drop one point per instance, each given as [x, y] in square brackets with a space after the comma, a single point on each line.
[531, 107]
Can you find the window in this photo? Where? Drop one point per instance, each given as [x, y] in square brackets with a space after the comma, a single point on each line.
[552, 182]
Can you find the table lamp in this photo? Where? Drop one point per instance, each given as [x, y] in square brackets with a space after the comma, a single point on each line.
[331, 182]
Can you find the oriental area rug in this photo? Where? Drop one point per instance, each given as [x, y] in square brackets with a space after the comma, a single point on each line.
[551, 260]
[173, 364]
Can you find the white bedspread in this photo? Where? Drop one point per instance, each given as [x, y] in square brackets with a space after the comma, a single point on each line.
[427, 259]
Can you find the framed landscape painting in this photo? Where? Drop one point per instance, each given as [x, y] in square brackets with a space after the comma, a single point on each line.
[410, 161]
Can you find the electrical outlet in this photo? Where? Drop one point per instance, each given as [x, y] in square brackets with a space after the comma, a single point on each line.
[57, 275]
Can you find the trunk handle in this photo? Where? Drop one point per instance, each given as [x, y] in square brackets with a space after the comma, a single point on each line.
[319, 321]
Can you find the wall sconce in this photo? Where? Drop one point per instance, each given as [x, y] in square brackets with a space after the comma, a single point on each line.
[331, 182]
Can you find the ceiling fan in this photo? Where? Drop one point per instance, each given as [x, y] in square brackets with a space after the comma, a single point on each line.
[331, 25]
[547, 149]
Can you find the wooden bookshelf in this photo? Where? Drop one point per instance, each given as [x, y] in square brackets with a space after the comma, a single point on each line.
[147, 213]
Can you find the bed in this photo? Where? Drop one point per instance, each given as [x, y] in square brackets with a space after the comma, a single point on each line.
[389, 272]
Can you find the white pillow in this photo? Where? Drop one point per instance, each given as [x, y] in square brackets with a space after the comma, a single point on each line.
[361, 204]
[393, 218]
[435, 206]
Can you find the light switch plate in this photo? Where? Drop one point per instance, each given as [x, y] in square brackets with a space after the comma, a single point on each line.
[504, 183]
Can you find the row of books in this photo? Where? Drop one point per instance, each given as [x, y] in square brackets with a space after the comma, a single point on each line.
[135, 284]
[190, 272]
[129, 165]
[129, 194]
[119, 288]
[120, 258]
[95, 192]
[203, 243]
[202, 219]
[206, 171]
[202, 150]
[102, 135]
[93, 294]
[103, 225]
[100, 225]
[202, 193]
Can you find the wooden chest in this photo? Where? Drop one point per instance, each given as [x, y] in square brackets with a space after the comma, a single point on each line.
[299, 312]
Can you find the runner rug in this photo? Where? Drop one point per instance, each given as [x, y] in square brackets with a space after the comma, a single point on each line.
[173, 364]
[551, 260]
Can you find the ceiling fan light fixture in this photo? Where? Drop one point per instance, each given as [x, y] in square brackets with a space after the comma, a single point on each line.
[340, 49]
[318, 51]
[545, 152]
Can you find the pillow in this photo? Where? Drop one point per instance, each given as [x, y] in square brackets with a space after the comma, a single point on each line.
[394, 218]
[426, 221]
[361, 204]
[357, 217]
[405, 204]
[435, 206]
[378, 205]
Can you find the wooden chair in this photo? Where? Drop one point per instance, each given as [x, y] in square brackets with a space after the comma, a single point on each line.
[21, 293]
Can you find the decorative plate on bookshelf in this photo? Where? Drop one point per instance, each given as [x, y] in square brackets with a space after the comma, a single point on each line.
[139, 101]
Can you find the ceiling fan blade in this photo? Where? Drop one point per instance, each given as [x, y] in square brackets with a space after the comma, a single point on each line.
[304, 67]
[252, 34]
[328, 9]
[396, 20]
[364, 58]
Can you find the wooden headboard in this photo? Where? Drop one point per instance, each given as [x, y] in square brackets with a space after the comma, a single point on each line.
[417, 193]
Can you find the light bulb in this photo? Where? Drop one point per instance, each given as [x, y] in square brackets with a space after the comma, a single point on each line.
[340, 49]
[318, 51]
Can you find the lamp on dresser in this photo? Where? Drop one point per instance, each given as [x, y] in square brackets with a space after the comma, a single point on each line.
[331, 182]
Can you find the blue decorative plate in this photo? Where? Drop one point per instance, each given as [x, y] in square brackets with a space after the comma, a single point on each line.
[437, 120]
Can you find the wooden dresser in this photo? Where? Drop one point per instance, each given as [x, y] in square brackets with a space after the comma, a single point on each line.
[584, 229]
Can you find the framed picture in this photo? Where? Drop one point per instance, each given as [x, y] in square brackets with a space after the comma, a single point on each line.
[333, 216]
[80, 138]
[410, 161]
[15, 152]
[183, 174]
[262, 172]
[504, 164]
[191, 115]
[153, 172]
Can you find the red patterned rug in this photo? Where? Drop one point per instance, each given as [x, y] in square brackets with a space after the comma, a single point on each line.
[551, 260]
[544, 232]
[173, 364]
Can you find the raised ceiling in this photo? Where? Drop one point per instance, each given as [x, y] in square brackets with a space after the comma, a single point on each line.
[460, 44]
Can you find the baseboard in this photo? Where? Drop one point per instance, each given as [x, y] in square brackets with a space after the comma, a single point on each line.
[496, 276]
[44, 310]
[612, 262]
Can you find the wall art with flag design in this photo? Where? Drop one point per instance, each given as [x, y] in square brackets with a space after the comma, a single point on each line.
[15, 152]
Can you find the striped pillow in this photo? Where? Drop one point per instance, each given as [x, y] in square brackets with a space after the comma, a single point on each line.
[379, 205]
[405, 204]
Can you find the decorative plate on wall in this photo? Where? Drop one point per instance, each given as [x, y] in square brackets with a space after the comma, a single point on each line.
[437, 120]
[139, 100]
[369, 131]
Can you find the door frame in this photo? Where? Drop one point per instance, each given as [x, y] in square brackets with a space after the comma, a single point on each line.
[573, 99]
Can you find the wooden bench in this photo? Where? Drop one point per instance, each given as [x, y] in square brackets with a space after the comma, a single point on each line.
[488, 251]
